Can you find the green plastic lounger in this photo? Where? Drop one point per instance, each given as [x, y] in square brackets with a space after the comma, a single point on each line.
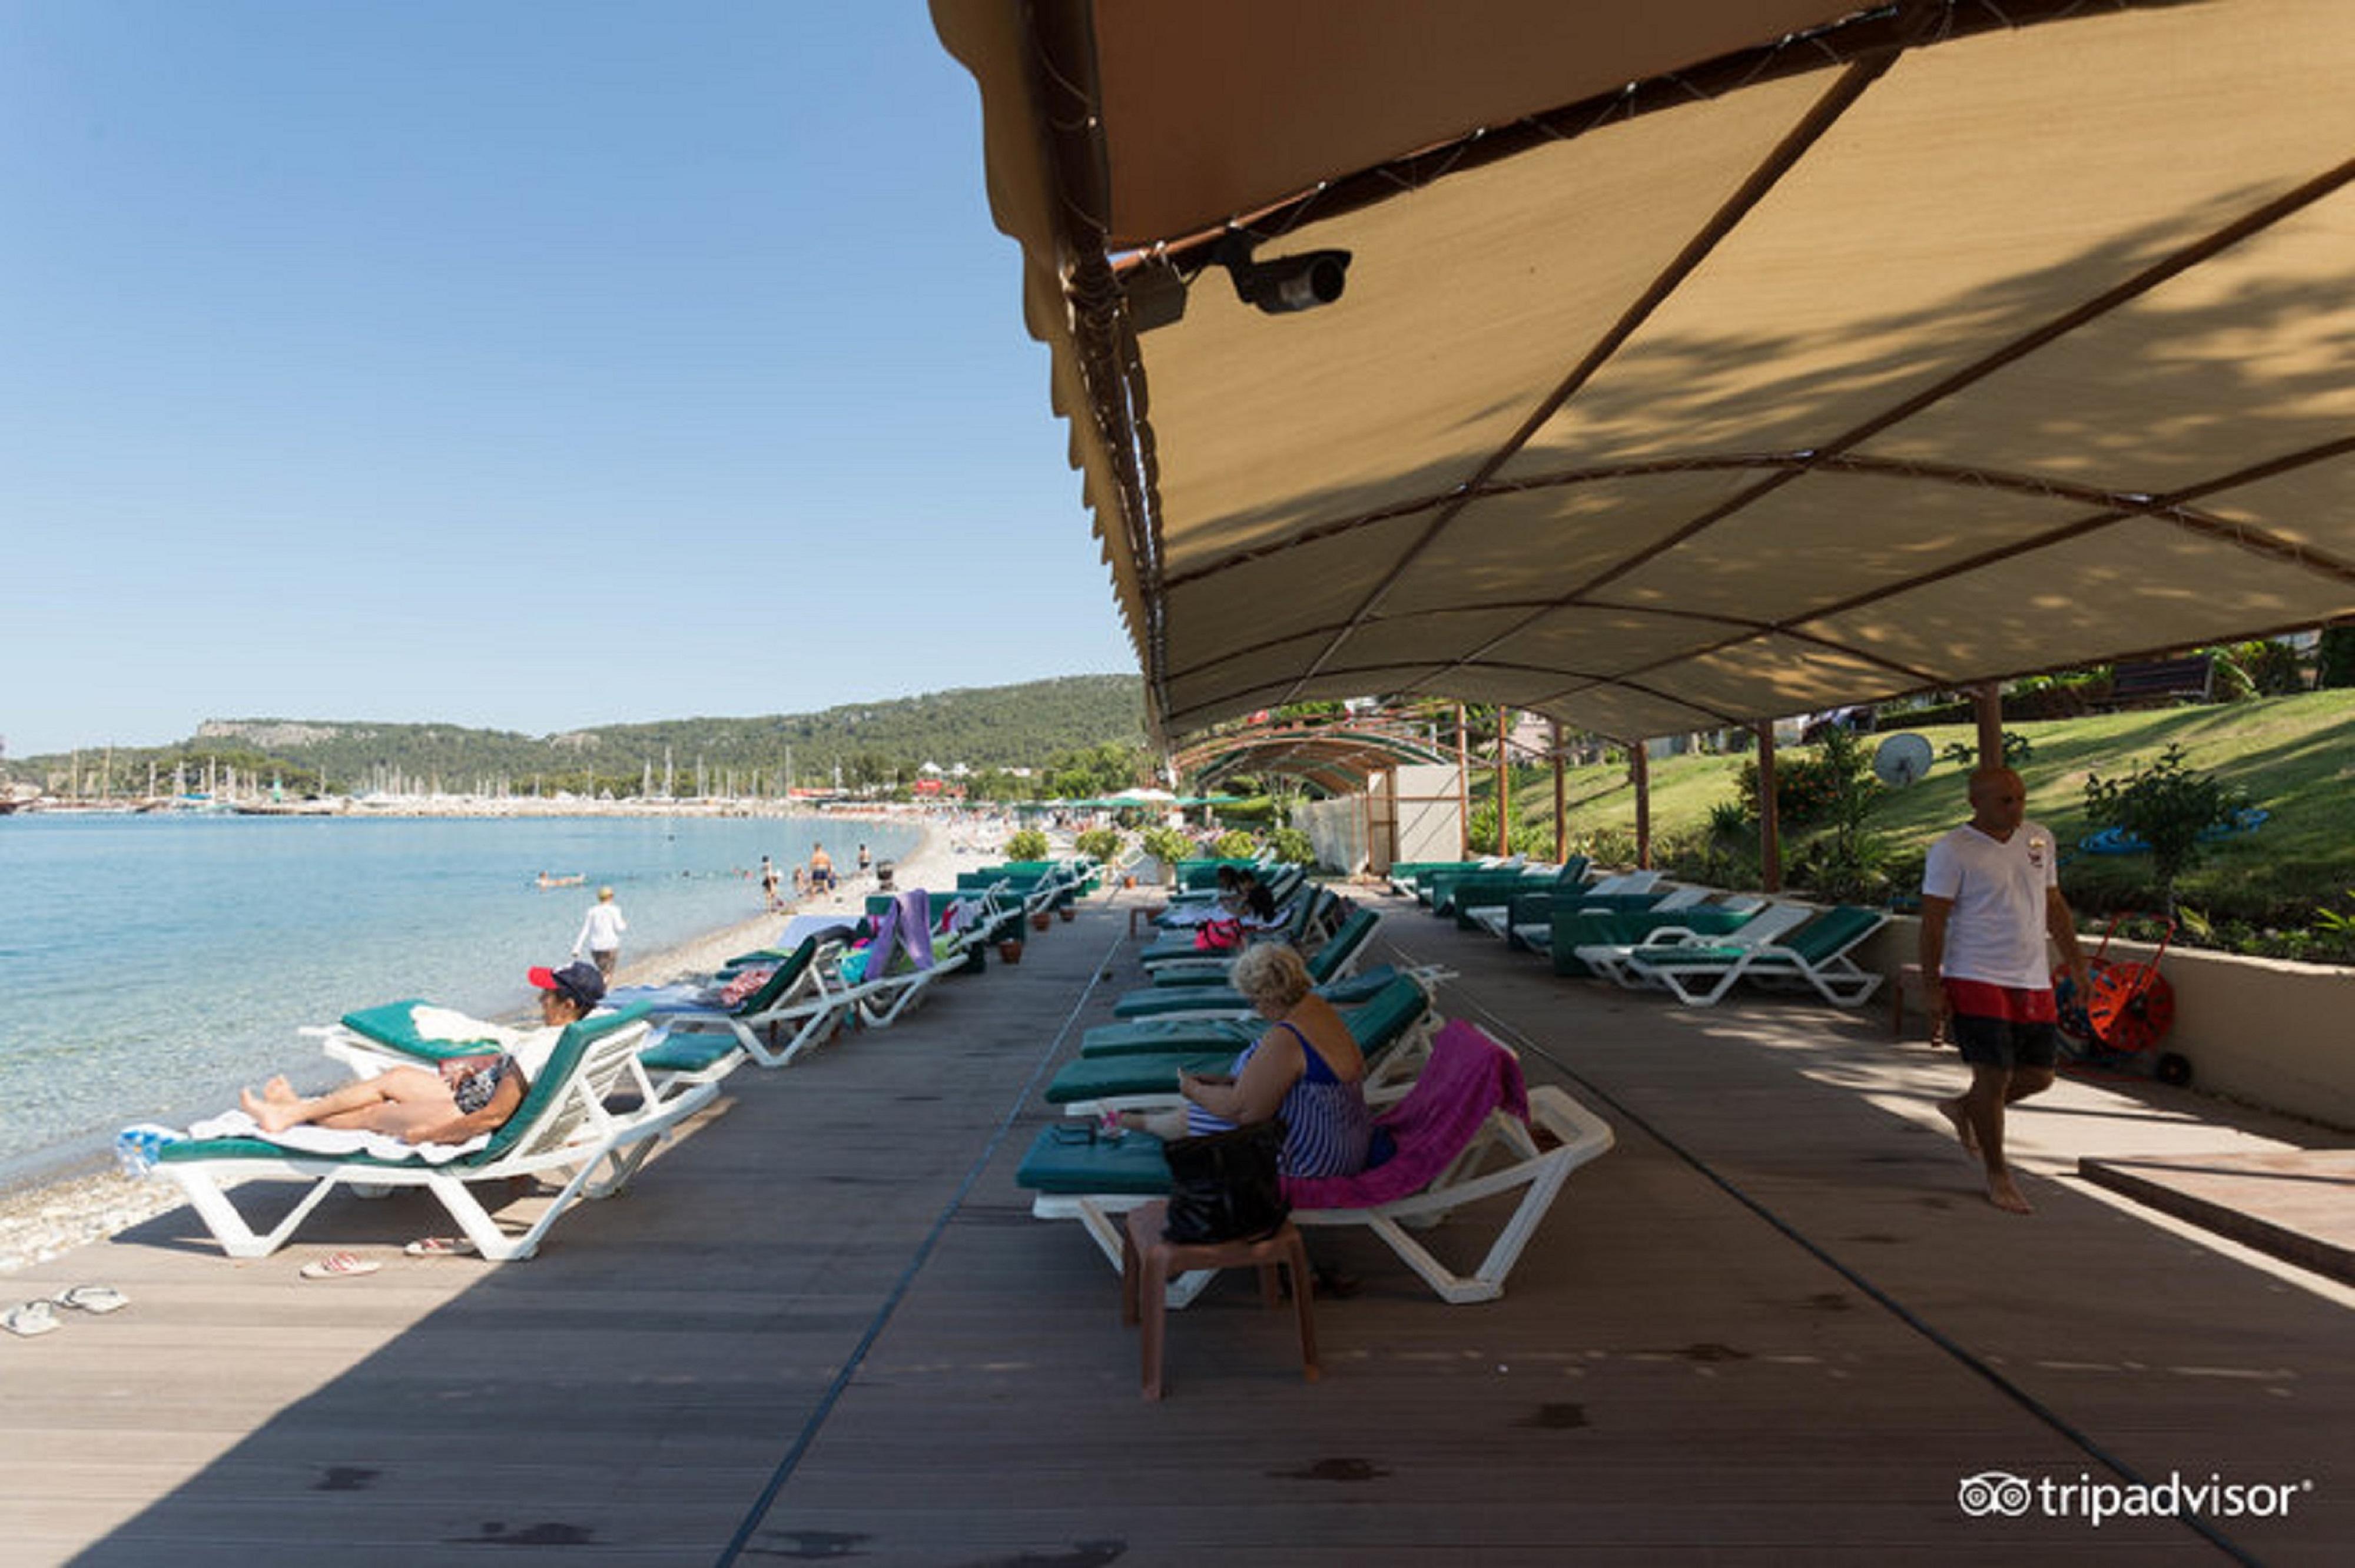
[1207, 1031]
[1699, 973]
[1466, 1133]
[564, 1125]
[1615, 929]
[1190, 992]
[369, 1039]
[1220, 1002]
[1391, 1027]
[1334, 956]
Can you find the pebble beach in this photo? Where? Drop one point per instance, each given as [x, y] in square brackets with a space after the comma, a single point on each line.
[42, 1221]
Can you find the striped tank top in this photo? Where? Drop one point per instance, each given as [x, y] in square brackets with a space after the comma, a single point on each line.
[1328, 1128]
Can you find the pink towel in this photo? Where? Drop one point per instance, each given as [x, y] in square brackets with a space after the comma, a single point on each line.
[1468, 1075]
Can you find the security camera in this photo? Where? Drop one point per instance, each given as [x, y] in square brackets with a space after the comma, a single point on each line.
[1284, 283]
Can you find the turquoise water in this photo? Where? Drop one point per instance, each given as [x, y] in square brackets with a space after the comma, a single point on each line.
[149, 965]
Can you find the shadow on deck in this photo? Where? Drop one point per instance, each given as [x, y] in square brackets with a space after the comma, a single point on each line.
[1776, 1323]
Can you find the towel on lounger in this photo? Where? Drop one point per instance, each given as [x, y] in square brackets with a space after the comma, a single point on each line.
[336, 1141]
[1468, 1075]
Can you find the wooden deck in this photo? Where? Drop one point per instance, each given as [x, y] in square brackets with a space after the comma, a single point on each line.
[1775, 1324]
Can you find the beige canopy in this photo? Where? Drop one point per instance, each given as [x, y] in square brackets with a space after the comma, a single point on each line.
[1700, 361]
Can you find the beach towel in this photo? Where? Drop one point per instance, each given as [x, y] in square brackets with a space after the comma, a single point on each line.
[336, 1142]
[1468, 1075]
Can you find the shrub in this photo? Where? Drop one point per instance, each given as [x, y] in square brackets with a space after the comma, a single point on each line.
[2017, 749]
[1097, 843]
[1292, 845]
[2334, 657]
[1232, 845]
[1028, 844]
[2168, 806]
[1165, 845]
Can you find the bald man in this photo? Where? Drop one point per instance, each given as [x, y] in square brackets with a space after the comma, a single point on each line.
[1991, 898]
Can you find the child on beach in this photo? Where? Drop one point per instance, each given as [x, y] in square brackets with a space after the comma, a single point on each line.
[601, 934]
[461, 1098]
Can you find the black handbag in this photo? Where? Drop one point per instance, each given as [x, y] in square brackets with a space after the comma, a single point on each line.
[1224, 1186]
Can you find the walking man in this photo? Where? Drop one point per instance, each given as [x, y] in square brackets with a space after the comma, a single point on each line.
[1990, 896]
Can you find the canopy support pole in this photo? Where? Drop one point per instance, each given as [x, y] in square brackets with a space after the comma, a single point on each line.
[1986, 704]
[1503, 782]
[1640, 768]
[1463, 788]
[1770, 837]
[1561, 851]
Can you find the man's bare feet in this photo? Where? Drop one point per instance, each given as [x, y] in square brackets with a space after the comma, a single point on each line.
[2005, 1196]
[279, 1091]
[270, 1116]
[1955, 1114]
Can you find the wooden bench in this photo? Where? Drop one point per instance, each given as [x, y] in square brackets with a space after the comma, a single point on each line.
[2162, 682]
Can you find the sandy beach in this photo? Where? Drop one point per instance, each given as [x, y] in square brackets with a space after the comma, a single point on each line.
[41, 1221]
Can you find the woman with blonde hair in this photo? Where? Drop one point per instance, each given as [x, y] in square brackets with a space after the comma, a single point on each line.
[1306, 1069]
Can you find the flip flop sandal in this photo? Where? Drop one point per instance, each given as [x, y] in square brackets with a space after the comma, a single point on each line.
[29, 1317]
[92, 1299]
[441, 1246]
[335, 1265]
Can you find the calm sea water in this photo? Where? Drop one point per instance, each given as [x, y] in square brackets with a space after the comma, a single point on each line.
[149, 965]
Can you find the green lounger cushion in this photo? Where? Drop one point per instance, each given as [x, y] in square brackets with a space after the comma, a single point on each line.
[1102, 1077]
[1159, 1036]
[686, 1053]
[1130, 1164]
[394, 1024]
[1154, 1001]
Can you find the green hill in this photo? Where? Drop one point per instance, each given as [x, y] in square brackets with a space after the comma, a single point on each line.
[983, 727]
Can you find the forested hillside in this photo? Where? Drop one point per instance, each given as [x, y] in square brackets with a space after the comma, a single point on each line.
[984, 728]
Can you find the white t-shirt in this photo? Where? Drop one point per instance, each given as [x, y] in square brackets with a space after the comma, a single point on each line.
[600, 932]
[1996, 932]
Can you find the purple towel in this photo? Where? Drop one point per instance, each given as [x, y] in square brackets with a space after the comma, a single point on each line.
[916, 927]
[1468, 1075]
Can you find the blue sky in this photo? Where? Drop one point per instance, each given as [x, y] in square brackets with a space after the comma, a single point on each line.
[520, 364]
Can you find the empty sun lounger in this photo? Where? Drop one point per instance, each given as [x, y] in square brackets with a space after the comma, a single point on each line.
[1463, 1134]
[1699, 972]
[1614, 956]
[565, 1123]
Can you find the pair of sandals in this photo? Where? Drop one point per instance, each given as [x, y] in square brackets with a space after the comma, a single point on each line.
[40, 1316]
[345, 1265]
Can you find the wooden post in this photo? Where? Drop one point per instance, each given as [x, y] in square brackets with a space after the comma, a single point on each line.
[1561, 827]
[1503, 782]
[1987, 703]
[1463, 788]
[1770, 837]
[1639, 769]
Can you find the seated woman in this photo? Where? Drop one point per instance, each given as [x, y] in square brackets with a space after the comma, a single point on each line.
[1306, 1069]
[464, 1096]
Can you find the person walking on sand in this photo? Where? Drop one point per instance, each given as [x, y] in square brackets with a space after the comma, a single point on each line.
[601, 934]
[769, 882]
[821, 869]
[1991, 898]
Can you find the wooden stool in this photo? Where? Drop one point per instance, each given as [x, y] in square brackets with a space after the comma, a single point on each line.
[1147, 1264]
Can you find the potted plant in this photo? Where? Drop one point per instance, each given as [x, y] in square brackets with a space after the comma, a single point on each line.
[1009, 949]
[1168, 846]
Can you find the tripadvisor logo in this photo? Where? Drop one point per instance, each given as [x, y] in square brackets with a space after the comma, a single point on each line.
[1999, 1494]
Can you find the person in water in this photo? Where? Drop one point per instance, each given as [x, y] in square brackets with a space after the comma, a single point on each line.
[460, 1100]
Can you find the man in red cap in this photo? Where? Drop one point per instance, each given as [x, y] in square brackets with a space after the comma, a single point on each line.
[460, 1100]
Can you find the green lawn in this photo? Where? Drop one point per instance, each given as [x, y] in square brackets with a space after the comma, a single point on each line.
[2293, 756]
